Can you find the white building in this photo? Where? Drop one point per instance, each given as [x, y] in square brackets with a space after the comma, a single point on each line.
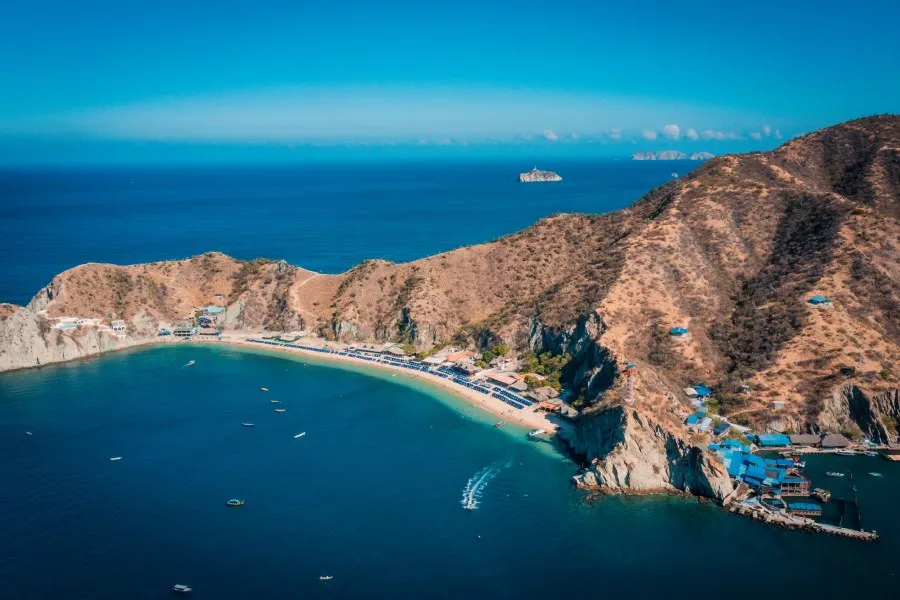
[117, 325]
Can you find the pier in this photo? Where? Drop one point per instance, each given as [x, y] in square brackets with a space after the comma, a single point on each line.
[757, 511]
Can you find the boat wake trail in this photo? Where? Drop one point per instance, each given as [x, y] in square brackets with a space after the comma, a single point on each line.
[471, 495]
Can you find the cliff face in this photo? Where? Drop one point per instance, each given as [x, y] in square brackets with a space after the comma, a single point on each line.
[732, 251]
[629, 452]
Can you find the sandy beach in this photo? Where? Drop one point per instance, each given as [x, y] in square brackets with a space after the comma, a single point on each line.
[527, 416]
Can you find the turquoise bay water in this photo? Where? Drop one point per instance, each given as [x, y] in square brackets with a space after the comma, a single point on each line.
[371, 495]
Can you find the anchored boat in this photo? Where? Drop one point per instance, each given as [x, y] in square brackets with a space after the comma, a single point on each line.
[235, 502]
[180, 588]
[300, 435]
[280, 409]
[834, 474]
[246, 424]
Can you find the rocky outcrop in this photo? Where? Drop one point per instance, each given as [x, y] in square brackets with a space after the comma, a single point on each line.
[27, 339]
[850, 409]
[630, 452]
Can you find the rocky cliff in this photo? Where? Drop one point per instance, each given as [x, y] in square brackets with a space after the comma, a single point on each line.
[732, 252]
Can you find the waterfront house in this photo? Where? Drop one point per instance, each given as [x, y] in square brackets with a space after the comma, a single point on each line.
[460, 356]
[794, 484]
[835, 440]
[117, 325]
[208, 331]
[772, 440]
[184, 330]
[435, 360]
[805, 439]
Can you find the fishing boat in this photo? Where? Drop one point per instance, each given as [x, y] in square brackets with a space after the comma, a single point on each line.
[246, 424]
[280, 409]
[274, 401]
[190, 362]
[325, 577]
[846, 452]
[235, 502]
[180, 588]
[874, 474]
[264, 389]
[116, 458]
[834, 474]
[870, 453]
[300, 435]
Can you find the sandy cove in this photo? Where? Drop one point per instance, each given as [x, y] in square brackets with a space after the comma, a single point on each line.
[526, 416]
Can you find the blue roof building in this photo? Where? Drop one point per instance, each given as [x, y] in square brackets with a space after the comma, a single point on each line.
[721, 428]
[678, 331]
[772, 440]
[212, 310]
[693, 419]
[819, 300]
[702, 391]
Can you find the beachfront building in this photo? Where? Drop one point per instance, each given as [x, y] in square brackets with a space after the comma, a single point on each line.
[805, 439]
[764, 475]
[772, 440]
[118, 325]
[834, 440]
[184, 330]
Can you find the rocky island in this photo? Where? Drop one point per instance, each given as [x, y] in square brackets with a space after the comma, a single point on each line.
[536, 175]
[767, 281]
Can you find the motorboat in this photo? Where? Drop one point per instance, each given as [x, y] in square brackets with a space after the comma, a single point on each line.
[846, 452]
[28, 433]
[264, 389]
[834, 474]
[536, 433]
[325, 577]
[190, 362]
[870, 453]
[280, 409]
[274, 401]
[180, 588]
[874, 474]
[300, 435]
[116, 458]
[235, 502]
[246, 424]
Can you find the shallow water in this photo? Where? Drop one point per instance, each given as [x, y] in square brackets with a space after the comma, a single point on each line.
[371, 495]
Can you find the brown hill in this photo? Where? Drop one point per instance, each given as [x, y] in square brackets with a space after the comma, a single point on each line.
[733, 252]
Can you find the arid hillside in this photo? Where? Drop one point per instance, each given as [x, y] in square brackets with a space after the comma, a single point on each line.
[732, 252]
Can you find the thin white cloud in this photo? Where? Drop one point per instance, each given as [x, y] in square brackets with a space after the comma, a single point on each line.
[672, 131]
[767, 130]
[691, 134]
[550, 135]
[649, 134]
[709, 134]
[756, 135]
[615, 134]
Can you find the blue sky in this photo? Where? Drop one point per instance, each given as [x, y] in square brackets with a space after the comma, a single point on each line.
[116, 80]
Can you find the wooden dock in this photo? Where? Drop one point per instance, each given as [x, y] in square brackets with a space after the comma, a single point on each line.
[757, 512]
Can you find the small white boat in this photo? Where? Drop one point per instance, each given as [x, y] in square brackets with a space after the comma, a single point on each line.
[28, 433]
[874, 474]
[190, 362]
[116, 458]
[870, 453]
[246, 424]
[180, 588]
[264, 389]
[275, 401]
[535, 433]
[280, 409]
[325, 577]
[846, 452]
[834, 474]
[300, 435]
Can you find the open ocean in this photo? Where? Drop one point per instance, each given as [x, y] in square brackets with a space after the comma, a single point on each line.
[327, 217]
[372, 494]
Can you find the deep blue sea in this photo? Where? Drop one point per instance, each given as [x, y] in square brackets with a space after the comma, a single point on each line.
[326, 217]
[371, 496]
